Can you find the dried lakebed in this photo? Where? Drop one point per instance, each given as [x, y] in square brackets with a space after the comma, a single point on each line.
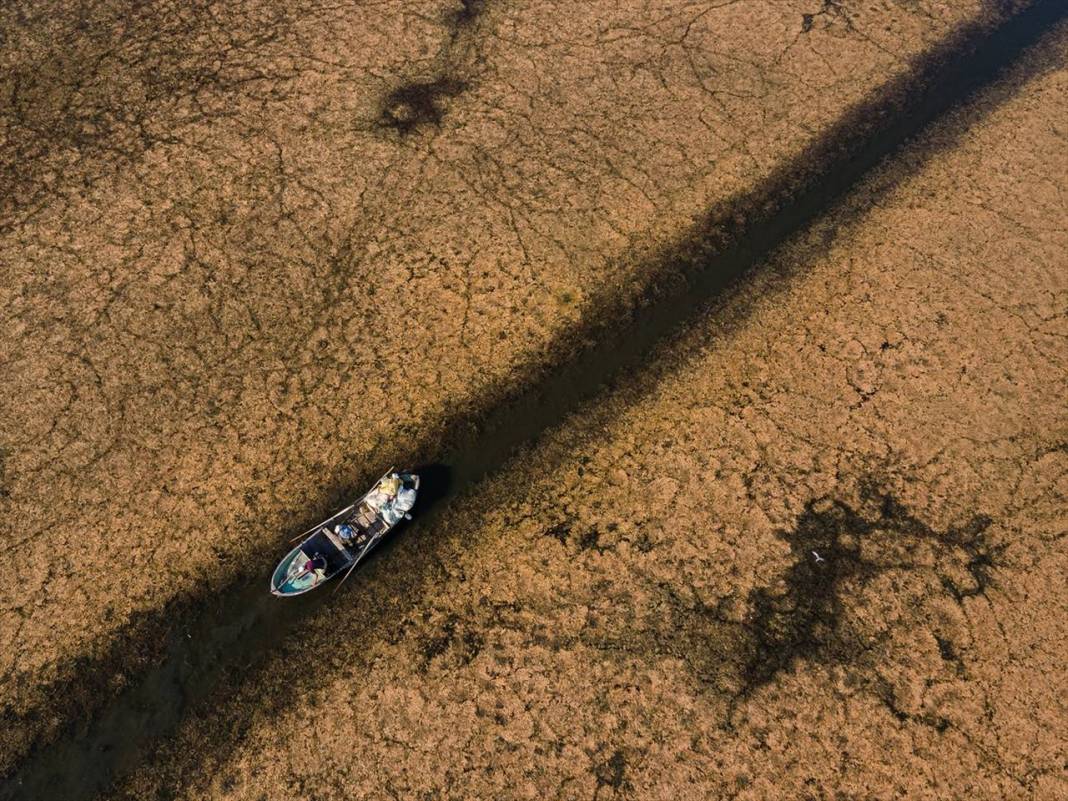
[194, 669]
[816, 547]
[252, 255]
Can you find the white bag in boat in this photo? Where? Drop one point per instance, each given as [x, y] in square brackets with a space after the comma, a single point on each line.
[405, 500]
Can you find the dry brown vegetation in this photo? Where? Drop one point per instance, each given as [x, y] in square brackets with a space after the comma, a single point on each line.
[250, 253]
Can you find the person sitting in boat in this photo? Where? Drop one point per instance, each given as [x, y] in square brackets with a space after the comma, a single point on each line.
[351, 537]
[316, 563]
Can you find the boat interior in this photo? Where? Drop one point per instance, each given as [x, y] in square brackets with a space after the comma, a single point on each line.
[326, 545]
[340, 542]
[368, 522]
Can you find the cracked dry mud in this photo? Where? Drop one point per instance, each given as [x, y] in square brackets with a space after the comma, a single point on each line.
[816, 550]
[249, 249]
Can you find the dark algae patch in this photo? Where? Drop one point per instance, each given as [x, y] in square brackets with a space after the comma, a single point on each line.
[465, 644]
[468, 12]
[4, 492]
[611, 772]
[799, 622]
[418, 104]
[822, 609]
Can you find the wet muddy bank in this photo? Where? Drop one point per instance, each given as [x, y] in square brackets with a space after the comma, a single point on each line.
[204, 642]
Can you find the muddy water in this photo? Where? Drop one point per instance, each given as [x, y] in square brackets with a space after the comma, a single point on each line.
[235, 630]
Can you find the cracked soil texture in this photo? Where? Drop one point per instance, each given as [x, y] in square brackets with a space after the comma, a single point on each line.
[251, 252]
[817, 550]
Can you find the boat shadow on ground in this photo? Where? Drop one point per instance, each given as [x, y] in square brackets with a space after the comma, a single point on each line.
[206, 657]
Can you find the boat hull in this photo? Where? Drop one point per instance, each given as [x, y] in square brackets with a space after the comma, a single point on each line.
[341, 541]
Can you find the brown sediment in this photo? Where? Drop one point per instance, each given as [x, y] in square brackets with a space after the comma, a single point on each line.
[817, 549]
[449, 420]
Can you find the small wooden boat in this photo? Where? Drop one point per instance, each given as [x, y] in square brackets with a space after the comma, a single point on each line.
[341, 541]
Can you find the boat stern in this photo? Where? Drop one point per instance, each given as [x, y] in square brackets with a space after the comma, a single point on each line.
[292, 577]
